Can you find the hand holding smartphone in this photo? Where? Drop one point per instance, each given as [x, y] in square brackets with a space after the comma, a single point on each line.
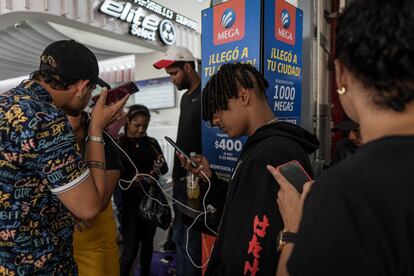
[295, 174]
[118, 93]
[169, 140]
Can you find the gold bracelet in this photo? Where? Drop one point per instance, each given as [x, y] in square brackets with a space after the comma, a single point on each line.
[96, 139]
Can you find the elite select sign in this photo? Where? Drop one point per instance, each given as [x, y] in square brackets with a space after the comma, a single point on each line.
[145, 24]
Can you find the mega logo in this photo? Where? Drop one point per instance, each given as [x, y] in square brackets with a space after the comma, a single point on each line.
[229, 23]
[285, 22]
[228, 18]
[285, 19]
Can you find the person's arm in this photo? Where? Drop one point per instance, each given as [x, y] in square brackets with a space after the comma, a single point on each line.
[86, 199]
[164, 167]
[112, 177]
[113, 168]
[290, 203]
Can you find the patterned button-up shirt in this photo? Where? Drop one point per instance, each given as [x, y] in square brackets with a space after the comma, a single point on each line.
[37, 161]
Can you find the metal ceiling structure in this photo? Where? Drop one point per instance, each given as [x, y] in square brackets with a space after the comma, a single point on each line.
[22, 44]
[28, 26]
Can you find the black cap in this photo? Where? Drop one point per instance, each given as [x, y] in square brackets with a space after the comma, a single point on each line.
[71, 59]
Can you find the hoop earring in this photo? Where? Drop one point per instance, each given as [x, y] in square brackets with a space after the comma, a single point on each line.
[341, 90]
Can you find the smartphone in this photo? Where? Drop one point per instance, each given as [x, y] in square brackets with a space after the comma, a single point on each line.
[295, 174]
[169, 140]
[118, 93]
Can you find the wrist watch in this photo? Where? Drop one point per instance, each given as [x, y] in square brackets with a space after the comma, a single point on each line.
[284, 238]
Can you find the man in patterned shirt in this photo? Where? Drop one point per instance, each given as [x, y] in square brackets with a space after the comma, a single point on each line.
[42, 177]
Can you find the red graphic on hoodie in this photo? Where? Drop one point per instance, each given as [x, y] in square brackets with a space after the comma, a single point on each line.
[259, 232]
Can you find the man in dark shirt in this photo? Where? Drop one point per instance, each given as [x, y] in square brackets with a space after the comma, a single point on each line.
[179, 64]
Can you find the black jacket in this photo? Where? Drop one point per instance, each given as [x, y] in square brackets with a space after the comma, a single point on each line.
[251, 220]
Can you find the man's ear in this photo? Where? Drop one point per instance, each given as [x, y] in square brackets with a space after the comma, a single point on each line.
[187, 68]
[80, 88]
[244, 95]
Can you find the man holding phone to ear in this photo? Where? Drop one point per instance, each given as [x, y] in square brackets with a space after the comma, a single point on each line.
[234, 99]
[43, 179]
[179, 63]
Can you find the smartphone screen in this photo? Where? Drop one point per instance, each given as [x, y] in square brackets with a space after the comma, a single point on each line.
[295, 174]
[118, 93]
[169, 140]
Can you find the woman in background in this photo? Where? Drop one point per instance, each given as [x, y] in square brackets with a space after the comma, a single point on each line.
[94, 242]
[147, 156]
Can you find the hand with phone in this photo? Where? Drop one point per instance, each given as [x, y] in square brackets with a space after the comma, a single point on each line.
[295, 174]
[202, 166]
[117, 93]
[102, 114]
[195, 165]
[289, 200]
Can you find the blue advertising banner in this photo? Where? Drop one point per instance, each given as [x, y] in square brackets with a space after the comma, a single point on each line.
[283, 58]
[230, 33]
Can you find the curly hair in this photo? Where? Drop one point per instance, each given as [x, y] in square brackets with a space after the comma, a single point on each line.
[224, 85]
[55, 81]
[375, 42]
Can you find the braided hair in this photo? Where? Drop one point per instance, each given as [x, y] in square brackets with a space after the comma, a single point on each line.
[224, 85]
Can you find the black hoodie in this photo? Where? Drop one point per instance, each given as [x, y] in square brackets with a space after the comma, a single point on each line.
[246, 242]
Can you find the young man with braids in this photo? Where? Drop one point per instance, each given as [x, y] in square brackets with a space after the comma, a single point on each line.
[179, 63]
[234, 99]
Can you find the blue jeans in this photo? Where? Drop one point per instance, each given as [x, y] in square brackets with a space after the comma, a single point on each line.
[184, 267]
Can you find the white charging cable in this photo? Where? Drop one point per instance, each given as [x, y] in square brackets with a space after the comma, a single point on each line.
[174, 201]
[187, 240]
